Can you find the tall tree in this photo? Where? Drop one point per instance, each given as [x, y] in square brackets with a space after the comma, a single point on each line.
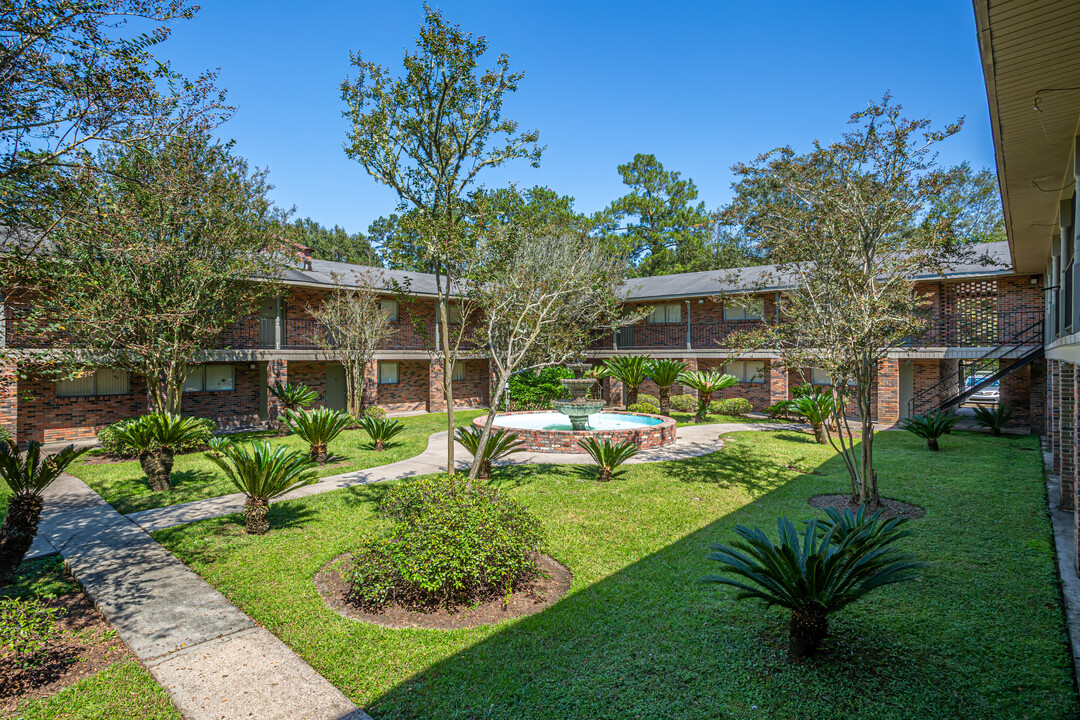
[148, 268]
[973, 201]
[334, 243]
[74, 77]
[849, 225]
[428, 134]
[353, 328]
[541, 297]
[667, 231]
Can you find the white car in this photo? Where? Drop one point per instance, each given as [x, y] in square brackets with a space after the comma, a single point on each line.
[986, 394]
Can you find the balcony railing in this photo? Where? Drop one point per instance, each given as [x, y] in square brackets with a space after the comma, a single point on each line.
[306, 334]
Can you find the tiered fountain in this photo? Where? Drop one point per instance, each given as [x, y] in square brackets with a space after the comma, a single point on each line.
[546, 431]
[579, 407]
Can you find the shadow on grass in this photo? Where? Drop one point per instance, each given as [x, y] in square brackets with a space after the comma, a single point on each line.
[181, 479]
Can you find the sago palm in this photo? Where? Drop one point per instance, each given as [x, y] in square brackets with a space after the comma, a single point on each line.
[264, 472]
[706, 383]
[500, 443]
[317, 428]
[156, 437]
[631, 370]
[665, 372]
[293, 396]
[817, 408]
[815, 572]
[608, 455]
[993, 418]
[26, 477]
[930, 426]
[381, 430]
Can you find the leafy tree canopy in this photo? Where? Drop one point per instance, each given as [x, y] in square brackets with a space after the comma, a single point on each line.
[334, 243]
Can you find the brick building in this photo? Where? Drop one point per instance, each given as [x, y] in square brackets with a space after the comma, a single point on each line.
[1034, 105]
[977, 312]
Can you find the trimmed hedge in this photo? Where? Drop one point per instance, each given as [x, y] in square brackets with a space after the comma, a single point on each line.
[644, 407]
[449, 545]
[684, 403]
[730, 406]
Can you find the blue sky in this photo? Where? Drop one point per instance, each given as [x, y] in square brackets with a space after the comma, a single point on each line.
[699, 84]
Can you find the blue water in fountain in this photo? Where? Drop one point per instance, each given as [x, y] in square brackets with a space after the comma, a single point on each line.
[558, 421]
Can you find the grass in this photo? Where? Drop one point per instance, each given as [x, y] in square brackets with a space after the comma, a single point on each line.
[981, 635]
[124, 485]
[122, 690]
[688, 419]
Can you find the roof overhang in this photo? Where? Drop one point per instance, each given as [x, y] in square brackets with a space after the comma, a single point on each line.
[1028, 46]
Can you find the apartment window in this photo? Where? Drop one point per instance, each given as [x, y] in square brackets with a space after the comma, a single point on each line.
[211, 378]
[820, 377]
[390, 309]
[666, 313]
[754, 311]
[98, 382]
[388, 373]
[458, 372]
[747, 372]
[453, 315]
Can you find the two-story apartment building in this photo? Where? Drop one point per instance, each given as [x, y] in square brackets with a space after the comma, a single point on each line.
[1031, 64]
[979, 314]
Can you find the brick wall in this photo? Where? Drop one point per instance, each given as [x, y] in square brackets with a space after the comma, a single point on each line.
[231, 409]
[410, 392]
[43, 417]
[1016, 393]
[1037, 397]
[9, 397]
[1054, 403]
[1067, 431]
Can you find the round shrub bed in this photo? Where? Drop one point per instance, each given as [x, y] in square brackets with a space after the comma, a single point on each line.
[449, 545]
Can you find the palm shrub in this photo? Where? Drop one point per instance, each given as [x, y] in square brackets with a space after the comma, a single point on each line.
[930, 426]
[817, 408]
[450, 543]
[381, 430]
[706, 383]
[293, 396]
[317, 428]
[112, 444]
[631, 370]
[157, 437]
[994, 418]
[500, 443]
[665, 372]
[815, 572]
[262, 473]
[608, 455]
[26, 476]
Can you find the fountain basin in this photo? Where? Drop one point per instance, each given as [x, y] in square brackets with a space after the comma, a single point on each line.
[550, 432]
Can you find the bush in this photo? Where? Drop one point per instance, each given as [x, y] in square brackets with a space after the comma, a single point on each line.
[646, 398]
[113, 446]
[930, 426]
[993, 418]
[531, 390]
[26, 628]
[730, 406]
[262, 473]
[5, 436]
[449, 544]
[644, 407]
[608, 455]
[780, 411]
[373, 411]
[683, 403]
[500, 443]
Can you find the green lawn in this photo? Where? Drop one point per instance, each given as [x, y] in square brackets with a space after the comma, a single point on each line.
[688, 419]
[124, 485]
[123, 690]
[981, 635]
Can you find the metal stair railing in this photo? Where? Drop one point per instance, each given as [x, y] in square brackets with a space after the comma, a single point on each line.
[952, 390]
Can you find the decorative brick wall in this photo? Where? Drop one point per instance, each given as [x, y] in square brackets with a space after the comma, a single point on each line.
[566, 441]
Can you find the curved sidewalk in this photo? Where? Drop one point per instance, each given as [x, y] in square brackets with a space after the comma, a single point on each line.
[691, 441]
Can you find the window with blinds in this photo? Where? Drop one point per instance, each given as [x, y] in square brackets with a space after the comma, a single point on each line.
[747, 372]
[211, 378]
[754, 311]
[666, 313]
[103, 381]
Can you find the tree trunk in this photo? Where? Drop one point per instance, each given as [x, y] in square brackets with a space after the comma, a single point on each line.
[665, 400]
[932, 444]
[256, 515]
[484, 471]
[18, 532]
[604, 474]
[704, 398]
[805, 633]
[318, 453]
[379, 445]
[819, 433]
[282, 426]
[485, 434]
[631, 395]
[157, 464]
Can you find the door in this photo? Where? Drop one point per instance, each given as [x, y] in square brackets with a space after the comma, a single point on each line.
[335, 386]
[264, 393]
[268, 322]
[907, 386]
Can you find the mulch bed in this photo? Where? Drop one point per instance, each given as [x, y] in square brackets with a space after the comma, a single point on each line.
[553, 582]
[83, 645]
[893, 508]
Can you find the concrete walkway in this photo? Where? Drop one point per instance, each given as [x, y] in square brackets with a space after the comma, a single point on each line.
[691, 441]
[213, 660]
[1065, 544]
